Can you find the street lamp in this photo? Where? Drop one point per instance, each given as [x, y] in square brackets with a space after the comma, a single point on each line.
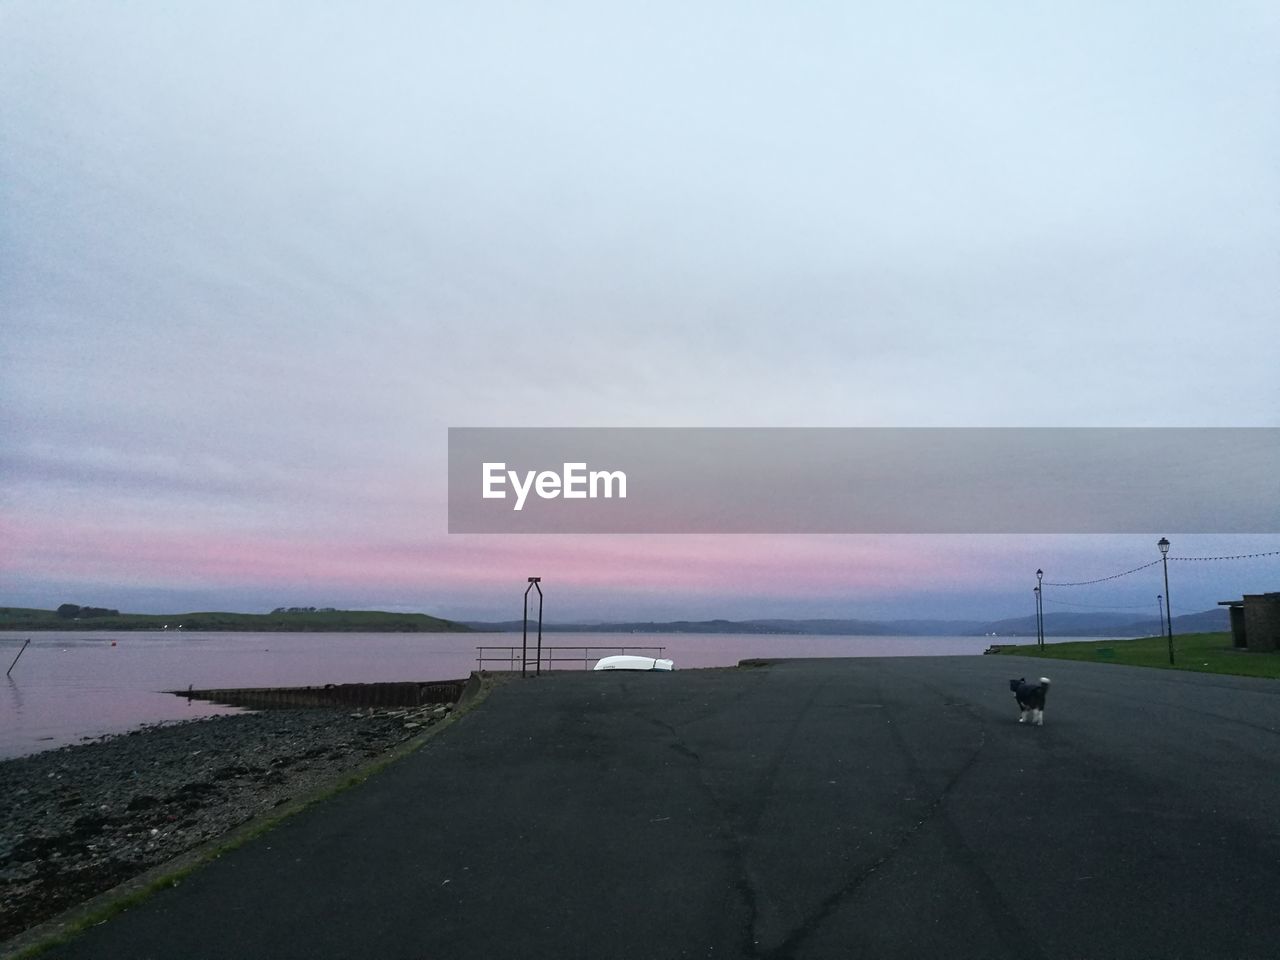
[1040, 608]
[1163, 544]
[1160, 607]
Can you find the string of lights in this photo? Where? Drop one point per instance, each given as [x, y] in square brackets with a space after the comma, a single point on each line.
[1117, 576]
[1238, 556]
[1114, 576]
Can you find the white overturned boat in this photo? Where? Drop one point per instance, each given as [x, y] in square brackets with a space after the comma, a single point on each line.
[629, 662]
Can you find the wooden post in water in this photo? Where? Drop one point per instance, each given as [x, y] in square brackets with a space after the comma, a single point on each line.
[15, 659]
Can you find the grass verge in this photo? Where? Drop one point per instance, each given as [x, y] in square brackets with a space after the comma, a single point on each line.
[1197, 652]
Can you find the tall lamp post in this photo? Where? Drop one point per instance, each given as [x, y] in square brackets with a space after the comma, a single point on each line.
[1160, 607]
[1040, 608]
[1163, 544]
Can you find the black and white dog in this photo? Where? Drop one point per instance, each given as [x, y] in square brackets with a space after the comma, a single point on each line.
[1030, 697]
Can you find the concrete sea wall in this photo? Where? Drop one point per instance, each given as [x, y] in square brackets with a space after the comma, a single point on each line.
[402, 694]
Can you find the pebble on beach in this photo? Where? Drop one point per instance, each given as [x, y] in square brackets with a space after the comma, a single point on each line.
[82, 819]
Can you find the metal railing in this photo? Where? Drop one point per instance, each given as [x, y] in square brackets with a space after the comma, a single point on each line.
[510, 656]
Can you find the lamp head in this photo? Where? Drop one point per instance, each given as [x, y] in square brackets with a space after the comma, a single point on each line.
[1163, 544]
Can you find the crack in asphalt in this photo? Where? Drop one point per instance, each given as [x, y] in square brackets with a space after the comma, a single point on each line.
[737, 838]
[743, 885]
[845, 893]
[997, 907]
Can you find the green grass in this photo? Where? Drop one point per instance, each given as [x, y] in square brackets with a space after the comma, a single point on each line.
[1198, 652]
[328, 621]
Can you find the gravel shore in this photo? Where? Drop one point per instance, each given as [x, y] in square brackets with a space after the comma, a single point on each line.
[82, 819]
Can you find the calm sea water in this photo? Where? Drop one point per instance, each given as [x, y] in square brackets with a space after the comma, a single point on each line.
[73, 686]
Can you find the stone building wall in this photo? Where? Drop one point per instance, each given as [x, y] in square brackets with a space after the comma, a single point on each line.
[1262, 620]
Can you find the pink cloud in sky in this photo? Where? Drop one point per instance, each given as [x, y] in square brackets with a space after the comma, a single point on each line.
[797, 566]
[68, 556]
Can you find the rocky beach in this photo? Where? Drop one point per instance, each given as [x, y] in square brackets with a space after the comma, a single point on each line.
[81, 819]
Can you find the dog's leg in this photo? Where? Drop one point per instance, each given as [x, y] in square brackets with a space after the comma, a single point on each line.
[1038, 717]
[1022, 714]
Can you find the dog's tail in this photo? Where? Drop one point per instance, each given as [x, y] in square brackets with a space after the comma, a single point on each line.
[1044, 681]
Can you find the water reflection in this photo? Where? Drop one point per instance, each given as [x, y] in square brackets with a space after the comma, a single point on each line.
[73, 686]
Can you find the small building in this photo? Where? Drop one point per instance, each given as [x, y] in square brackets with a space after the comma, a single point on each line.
[1255, 621]
[1235, 609]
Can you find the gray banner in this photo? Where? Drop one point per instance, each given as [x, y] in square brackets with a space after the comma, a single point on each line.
[864, 480]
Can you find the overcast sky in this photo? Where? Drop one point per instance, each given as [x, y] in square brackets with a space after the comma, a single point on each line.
[255, 259]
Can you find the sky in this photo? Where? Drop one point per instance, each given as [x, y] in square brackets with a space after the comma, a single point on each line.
[257, 258]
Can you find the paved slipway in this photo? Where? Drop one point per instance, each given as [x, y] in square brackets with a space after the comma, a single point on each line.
[808, 809]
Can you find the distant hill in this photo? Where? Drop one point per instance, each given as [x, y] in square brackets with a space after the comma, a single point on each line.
[1110, 625]
[1056, 625]
[825, 627]
[904, 628]
[637, 626]
[306, 620]
[281, 621]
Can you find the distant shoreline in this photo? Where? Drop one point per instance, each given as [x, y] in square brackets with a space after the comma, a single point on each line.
[298, 620]
[1056, 625]
[320, 621]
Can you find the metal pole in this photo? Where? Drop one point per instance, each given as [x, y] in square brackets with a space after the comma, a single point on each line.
[15, 659]
[1169, 617]
[1040, 605]
[524, 643]
[524, 649]
[535, 583]
[1160, 607]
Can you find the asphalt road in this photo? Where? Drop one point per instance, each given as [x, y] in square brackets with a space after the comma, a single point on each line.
[807, 809]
